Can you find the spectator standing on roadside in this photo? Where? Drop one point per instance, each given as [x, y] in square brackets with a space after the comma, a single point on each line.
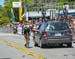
[35, 27]
[14, 28]
[19, 28]
[42, 26]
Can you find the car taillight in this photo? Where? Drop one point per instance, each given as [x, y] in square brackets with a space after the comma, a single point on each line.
[44, 34]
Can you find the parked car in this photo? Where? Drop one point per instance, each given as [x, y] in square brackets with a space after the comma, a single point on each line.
[55, 33]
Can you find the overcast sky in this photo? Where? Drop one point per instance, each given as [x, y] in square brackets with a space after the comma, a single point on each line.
[1, 2]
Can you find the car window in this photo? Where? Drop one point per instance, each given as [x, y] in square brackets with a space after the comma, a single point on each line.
[56, 26]
[50, 28]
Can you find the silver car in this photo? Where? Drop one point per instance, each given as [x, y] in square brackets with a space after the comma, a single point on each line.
[54, 33]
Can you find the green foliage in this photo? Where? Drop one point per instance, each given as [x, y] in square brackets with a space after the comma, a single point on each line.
[71, 0]
[8, 6]
[6, 14]
[3, 16]
[4, 20]
[30, 2]
[60, 3]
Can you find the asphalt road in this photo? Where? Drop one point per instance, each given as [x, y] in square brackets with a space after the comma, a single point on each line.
[12, 47]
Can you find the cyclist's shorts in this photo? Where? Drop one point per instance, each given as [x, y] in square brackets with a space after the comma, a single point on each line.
[26, 31]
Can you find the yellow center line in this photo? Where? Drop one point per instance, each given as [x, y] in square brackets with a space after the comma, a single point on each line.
[21, 49]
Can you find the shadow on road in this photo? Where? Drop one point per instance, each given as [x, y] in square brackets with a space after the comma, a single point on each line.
[52, 47]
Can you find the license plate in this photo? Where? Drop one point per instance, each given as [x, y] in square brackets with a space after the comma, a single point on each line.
[58, 34]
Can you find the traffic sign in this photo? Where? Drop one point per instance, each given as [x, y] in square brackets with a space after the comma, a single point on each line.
[16, 4]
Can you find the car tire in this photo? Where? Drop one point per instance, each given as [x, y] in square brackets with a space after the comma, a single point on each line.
[69, 44]
[61, 44]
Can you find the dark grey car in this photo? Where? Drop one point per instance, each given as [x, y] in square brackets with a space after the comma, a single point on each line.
[55, 33]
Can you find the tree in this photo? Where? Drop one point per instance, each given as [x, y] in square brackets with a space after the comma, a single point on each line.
[71, 0]
[4, 19]
[8, 6]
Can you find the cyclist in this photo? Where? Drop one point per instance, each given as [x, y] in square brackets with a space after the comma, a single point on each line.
[26, 29]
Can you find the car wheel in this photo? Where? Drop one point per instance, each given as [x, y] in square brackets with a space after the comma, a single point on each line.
[61, 45]
[69, 44]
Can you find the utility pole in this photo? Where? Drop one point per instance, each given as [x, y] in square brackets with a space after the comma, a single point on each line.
[25, 10]
[20, 11]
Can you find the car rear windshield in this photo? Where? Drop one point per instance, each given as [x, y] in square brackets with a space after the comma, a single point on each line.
[57, 26]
